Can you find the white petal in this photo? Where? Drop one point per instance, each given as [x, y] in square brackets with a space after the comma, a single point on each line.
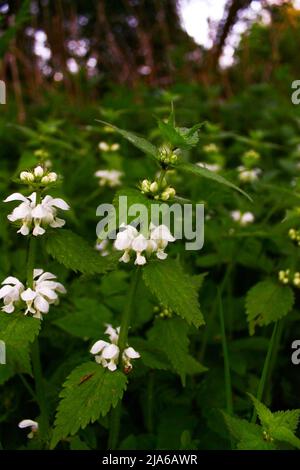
[32, 198]
[37, 272]
[15, 197]
[139, 243]
[41, 304]
[125, 258]
[11, 280]
[49, 293]
[8, 308]
[60, 288]
[45, 276]
[98, 346]
[161, 255]
[38, 212]
[38, 171]
[111, 352]
[57, 223]
[112, 366]
[5, 290]
[140, 260]
[131, 353]
[60, 203]
[38, 231]
[28, 295]
[24, 230]
[26, 423]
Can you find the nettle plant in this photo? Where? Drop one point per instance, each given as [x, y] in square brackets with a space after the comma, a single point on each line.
[95, 390]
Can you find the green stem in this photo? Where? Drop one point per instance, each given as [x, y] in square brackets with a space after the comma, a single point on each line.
[228, 388]
[161, 179]
[266, 368]
[114, 429]
[35, 353]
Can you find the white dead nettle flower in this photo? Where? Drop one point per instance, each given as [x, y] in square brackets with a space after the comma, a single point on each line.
[33, 215]
[110, 178]
[107, 354]
[43, 293]
[38, 175]
[129, 239]
[10, 293]
[105, 147]
[242, 218]
[214, 167]
[103, 247]
[248, 175]
[28, 423]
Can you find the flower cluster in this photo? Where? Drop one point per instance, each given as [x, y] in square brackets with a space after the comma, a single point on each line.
[130, 240]
[242, 218]
[162, 192]
[110, 178]
[286, 277]
[105, 147]
[167, 155]
[38, 176]
[247, 175]
[28, 423]
[163, 312]
[250, 158]
[36, 215]
[37, 299]
[294, 235]
[107, 353]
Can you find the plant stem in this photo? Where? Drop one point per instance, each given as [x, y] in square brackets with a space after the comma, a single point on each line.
[265, 371]
[228, 388]
[35, 353]
[122, 343]
[161, 179]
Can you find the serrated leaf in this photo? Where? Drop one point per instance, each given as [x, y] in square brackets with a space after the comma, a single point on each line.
[89, 392]
[264, 414]
[205, 173]
[284, 434]
[267, 302]
[151, 355]
[75, 253]
[174, 289]
[17, 329]
[249, 436]
[139, 142]
[86, 320]
[289, 419]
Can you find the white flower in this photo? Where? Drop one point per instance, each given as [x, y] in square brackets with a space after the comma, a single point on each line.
[129, 239]
[161, 236]
[242, 218]
[38, 172]
[113, 333]
[33, 215]
[107, 354]
[28, 423]
[129, 354]
[248, 176]
[38, 175]
[26, 176]
[43, 293]
[110, 178]
[103, 146]
[10, 293]
[139, 245]
[102, 246]
[214, 167]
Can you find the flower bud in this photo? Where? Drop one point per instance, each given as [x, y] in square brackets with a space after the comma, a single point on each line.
[145, 186]
[38, 172]
[52, 177]
[26, 176]
[103, 146]
[45, 180]
[154, 187]
[115, 147]
[173, 158]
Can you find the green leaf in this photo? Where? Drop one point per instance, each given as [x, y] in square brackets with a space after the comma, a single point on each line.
[75, 253]
[205, 173]
[249, 436]
[171, 336]
[174, 289]
[264, 414]
[139, 142]
[18, 329]
[86, 320]
[289, 419]
[151, 355]
[89, 392]
[284, 434]
[267, 302]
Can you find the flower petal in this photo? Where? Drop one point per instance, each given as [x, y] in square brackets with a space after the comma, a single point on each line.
[26, 423]
[60, 203]
[41, 304]
[28, 295]
[111, 352]
[131, 353]
[16, 197]
[98, 346]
